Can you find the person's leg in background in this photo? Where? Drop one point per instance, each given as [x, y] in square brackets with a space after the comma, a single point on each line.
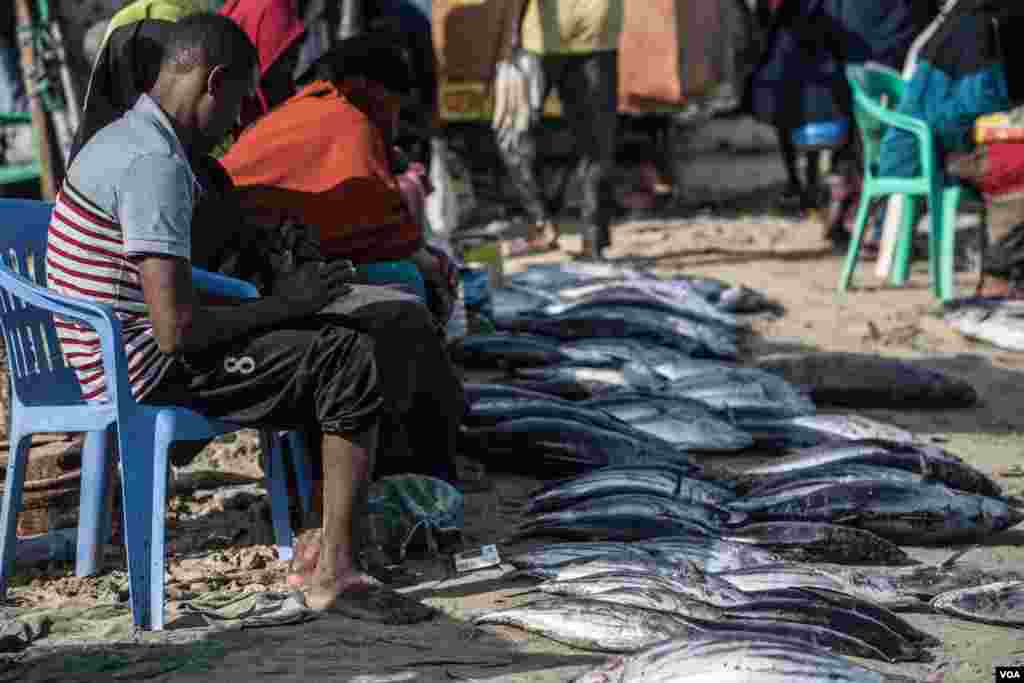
[521, 163]
[588, 86]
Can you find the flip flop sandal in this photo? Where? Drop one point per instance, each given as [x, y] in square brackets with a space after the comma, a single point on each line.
[382, 605]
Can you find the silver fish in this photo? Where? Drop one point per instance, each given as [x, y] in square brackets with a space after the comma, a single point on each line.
[1000, 327]
[929, 461]
[629, 517]
[995, 603]
[646, 565]
[736, 657]
[652, 294]
[842, 473]
[688, 582]
[908, 513]
[894, 646]
[710, 555]
[667, 483]
[667, 363]
[660, 599]
[743, 393]
[688, 423]
[813, 430]
[593, 625]
[557, 554]
[788, 575]
[813, 541]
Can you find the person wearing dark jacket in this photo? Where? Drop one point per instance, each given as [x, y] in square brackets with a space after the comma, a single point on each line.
[801, 78]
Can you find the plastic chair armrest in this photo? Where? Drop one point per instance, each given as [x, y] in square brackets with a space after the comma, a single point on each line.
[221, 285]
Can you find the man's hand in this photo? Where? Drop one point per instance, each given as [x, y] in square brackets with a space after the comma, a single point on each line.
[315, 285]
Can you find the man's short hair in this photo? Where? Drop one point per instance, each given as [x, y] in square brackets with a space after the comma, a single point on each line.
[209, 40]
[371, 55]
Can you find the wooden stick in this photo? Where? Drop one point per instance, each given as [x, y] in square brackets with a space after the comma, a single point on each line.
[50, 166]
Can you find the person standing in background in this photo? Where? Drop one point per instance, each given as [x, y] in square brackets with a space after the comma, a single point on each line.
[576, 43]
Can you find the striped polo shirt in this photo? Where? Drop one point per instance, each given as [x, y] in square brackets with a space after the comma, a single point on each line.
[129, 192]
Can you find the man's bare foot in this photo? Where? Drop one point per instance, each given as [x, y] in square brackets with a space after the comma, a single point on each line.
[358, 596]
[305, 558]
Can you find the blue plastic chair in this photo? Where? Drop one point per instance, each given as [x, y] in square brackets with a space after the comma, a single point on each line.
[46, 397]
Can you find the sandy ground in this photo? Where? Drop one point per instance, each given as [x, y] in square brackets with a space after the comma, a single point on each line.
[785, 259]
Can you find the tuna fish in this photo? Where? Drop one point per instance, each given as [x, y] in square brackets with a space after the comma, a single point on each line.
[995, 603]
[667, 363]
[608, 564]
[853, 603]
[547, 447]
[511, 300]
[999, 326]
[477, 392]
[813, 430]
[876, 634]
[786, 576]
[560, 554]
[900, 512]
[628, 517]
[688, 423]
[687, 581]
[593, 625]
[817, 542]
[923, 582]
[737, 657]
[574, 381]
[650, 294]
[743, 393]
[929, 461]
[690, 337]
[489, 412]
[710, 555]
[665, 483]
[660, 599]
[840, 473]
[506, 351]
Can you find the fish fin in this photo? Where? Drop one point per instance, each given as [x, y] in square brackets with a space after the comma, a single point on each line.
[955, 557]
[847, 519]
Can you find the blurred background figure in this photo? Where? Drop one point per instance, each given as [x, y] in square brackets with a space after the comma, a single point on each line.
[569, 45]
[801, 81]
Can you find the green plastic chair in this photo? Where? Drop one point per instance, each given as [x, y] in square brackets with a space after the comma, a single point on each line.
[870, 86]
[18, 173]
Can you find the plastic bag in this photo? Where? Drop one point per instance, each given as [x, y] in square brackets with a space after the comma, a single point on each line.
[519, 88]
[452, 200]
[407, 505]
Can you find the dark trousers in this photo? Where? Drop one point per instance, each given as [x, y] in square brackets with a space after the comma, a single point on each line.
[372, 355]
[588, 88]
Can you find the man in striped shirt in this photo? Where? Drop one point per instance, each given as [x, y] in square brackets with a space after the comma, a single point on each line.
[121, 235]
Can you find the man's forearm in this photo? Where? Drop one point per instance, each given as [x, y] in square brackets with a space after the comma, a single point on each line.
[213, 325]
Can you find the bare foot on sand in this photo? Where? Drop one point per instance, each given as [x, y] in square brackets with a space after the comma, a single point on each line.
[358, 596]
[305, 558]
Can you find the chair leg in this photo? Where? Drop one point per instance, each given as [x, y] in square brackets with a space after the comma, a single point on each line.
[143, 464]
[853, 253]
[946, 285]
[303, 472]
[92, 511]
[904, 242]
[936, 209]
[277, 487]
[13, 485]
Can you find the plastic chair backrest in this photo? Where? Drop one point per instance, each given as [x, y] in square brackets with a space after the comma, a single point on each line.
[39, 375]
[876, 92]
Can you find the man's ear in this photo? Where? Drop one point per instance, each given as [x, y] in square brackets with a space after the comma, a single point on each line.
[215, 80]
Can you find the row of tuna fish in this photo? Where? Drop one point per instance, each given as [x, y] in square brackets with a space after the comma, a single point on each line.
[675, 562]
[617, 382]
